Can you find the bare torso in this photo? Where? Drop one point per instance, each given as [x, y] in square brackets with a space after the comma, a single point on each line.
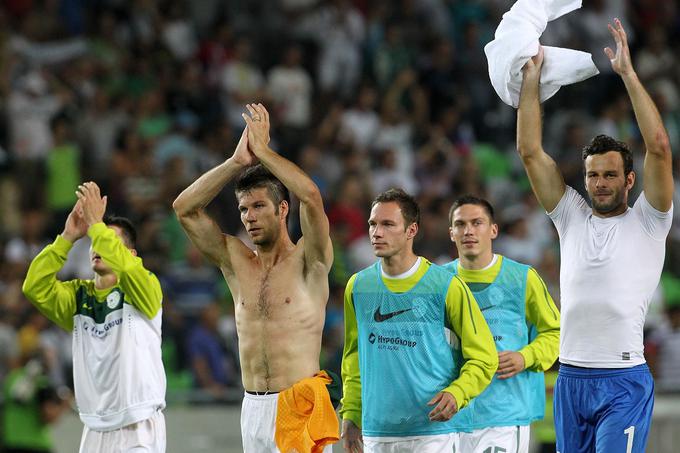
[280, 313]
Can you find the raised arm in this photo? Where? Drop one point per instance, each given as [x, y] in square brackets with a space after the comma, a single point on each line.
[545, 178]
[56, 299]
[313, 220]
[190, 207]
[658, 166]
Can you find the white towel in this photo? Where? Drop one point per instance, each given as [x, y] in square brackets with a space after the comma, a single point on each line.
[516, 40]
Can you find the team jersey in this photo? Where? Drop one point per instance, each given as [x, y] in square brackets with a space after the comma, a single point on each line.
[522, 317]
[117, 367]
[397, 357]
[609, 270]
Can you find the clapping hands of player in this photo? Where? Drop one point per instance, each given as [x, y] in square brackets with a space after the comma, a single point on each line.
[92, 203]
[242, 155]
[510, 363]
[258, 128]
[75, 227]
[446, 407]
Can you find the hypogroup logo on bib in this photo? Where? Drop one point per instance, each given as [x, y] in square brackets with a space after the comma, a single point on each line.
[391, 342]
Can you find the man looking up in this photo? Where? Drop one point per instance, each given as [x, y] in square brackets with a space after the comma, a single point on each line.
[116, 322]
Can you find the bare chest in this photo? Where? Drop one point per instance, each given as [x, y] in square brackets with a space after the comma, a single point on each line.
[271, 294]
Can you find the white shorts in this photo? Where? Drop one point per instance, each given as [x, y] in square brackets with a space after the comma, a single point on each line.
[147, 436]
[438, 443]
[510, 439]
[258, 424]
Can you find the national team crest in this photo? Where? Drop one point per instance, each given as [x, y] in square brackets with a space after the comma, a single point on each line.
[113, 299]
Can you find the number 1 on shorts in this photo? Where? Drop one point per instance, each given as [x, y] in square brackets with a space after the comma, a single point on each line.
[630, 432]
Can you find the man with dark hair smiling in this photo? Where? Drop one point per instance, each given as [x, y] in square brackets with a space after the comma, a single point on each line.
[280, 289]
[604, 393]
[116, 323]
[525, 325]
[396, 360]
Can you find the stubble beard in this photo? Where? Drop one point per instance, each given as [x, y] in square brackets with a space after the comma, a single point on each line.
[605, 208]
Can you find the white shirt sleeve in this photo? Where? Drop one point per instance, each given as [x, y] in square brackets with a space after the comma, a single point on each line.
[655, 223]
[564, 213]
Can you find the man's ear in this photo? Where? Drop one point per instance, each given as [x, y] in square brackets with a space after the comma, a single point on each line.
[630, 180]
[283, 209]
[412, 230]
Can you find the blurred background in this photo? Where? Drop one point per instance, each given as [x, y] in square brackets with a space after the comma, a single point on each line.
[143, 96]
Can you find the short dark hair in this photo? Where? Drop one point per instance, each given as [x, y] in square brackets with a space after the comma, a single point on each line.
[603, 144]
[408, 205]
[257, 177]
[471, 199]
[126, 226]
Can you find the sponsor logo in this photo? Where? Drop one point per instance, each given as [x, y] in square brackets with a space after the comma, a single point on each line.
[625, 356]
[380, 317]
[390, 342]
[101, 330]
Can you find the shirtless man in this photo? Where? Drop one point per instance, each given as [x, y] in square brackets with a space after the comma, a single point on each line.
[280, 289]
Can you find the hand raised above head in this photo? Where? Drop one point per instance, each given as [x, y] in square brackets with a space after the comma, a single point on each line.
[620, 60]
[242, 155]
[75, 227]
[257, 122]
[92, 203]
[532, 68]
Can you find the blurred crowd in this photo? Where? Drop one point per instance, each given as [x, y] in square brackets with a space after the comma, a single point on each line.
[143, 96]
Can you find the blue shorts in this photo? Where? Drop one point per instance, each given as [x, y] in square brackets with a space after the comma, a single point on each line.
[600, 410]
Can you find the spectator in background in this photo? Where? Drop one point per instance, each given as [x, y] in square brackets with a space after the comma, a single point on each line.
[339, 29]
[359, 124]
[290, 88]
[241, 81]
[192, 284]
[663, 345]
[212, 366]
[63, 173]
[31, 106]
[9, 346]
[31, 404]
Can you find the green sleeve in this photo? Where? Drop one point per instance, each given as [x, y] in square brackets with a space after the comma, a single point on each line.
[141, 286]
[477, 345]
[351, 379]
[54, 299]
[540, 354]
